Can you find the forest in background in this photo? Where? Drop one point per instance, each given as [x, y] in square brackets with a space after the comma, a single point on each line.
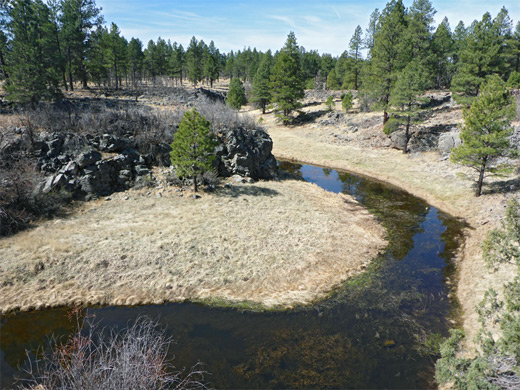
[48, 47]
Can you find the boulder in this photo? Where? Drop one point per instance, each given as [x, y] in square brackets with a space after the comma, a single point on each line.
[87, 158]
[398, 139]
[110, 143]
[448, 141]
[246, 152]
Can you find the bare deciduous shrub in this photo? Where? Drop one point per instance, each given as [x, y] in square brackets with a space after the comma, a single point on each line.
[134, 358]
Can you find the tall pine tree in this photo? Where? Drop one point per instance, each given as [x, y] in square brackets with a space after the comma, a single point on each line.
[261, 90]
[355, 46]
[31, 64]
[78, 19]
[287, 85]
[388, 56]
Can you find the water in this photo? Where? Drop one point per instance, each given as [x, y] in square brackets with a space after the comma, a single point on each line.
[374, 331]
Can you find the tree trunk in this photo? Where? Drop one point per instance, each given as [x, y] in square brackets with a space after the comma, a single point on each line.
[385, 117]
[195, 188]
[481, 177]
[407, 134]
[263, 108]
[70, 71]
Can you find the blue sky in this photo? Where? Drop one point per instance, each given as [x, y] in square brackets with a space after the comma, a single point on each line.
[324, 25]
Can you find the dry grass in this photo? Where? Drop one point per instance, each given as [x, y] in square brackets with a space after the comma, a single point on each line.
[425, 175]
[272, 243]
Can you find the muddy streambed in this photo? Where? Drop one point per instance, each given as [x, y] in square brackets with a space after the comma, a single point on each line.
[376, 331]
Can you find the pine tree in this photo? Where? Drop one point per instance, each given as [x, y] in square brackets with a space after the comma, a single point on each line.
[78, 20]
[332, 80]
[443, 52]
[420, 21]
[193, 147]
[514, 49]
[116, 53]
[388, 56]
[31, 64]
[481, 54]
[135, 60]
[287, 85]
[261, 90]
[97, 57]
[486, 130]
[211, 63]
[5, 10]
[178, 62]
[193, 61]
[410, 84]
[347, 101]
[236, 96]
[355, 47]
[372, 29]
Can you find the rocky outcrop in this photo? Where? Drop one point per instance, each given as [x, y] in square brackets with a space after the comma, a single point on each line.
[448, 141]
[246, 152]
[76, 164]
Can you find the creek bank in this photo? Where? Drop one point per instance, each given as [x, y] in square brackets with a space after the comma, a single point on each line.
[429, 176]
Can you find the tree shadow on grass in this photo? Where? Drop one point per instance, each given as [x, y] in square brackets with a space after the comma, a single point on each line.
[308, 117]
[502, 186]
[235, 191]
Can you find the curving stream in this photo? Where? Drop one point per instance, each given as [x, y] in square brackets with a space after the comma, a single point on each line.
[376, 331]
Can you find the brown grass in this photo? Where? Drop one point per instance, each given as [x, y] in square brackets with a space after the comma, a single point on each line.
[271, 243]
[443, 184]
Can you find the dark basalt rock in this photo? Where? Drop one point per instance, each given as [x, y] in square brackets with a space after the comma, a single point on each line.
[246, 152]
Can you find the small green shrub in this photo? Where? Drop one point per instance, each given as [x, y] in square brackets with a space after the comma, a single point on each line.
[330, 103]
[391, 126]
[310, 84]
[347, 101]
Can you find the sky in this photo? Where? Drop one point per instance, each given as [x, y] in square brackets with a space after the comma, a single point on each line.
[323, 25]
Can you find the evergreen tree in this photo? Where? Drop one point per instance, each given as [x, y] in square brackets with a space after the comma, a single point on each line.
[97, 57]
[211, 63]
[372, 30]
[55, 12]
[236, 96]
[310, 63]
[193, 147]
[514, 49]
[388, 56]
[355, 47]
[347, 101]
[135, 60]
[410, 84]
[442, 56]
[5, 10]
[177, 62]
[419, 31]
[481, 54]
[31, 64]
[486, 130]
[332, 80]
[116, 53]
[287, 85]
[194, 61]
[78, 20]
[261, 89]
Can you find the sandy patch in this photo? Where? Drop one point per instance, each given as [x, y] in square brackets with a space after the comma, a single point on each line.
[271, 243]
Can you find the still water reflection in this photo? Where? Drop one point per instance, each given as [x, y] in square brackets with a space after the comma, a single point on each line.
[372, 333]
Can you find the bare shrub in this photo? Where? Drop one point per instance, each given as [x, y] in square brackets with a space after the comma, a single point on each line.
[101, 359]
[18, 176]
[222, 117]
